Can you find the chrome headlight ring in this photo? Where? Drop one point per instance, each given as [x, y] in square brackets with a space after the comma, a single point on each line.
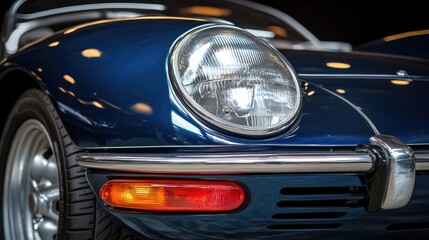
[235, 81]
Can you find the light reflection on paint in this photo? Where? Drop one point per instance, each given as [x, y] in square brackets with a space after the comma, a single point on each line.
[339, 65]
[69, 79]
[3, 61]
[341, 91]
[97, 104]
[400, 82]
[206, 11]
[306, 86]
[91, 53]
[142, 108]
[54, 44]
[62, 90]
[405, 35]
[181, 123]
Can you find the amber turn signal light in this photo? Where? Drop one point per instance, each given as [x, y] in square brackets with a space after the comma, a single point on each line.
[173, 195]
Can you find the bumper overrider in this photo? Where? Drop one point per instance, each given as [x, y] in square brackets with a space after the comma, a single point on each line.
[387, 165]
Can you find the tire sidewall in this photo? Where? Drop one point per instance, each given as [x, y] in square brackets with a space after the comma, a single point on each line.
[32, 105]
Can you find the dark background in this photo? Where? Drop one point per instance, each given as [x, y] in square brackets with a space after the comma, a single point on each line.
[350, 21]
[355, 21]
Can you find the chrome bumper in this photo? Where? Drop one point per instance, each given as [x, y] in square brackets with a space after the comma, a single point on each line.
[389, 163]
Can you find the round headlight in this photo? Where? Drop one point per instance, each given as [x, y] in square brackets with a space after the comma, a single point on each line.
[235, 80]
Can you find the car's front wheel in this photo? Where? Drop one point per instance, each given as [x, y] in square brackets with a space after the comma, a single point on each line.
[45, 194]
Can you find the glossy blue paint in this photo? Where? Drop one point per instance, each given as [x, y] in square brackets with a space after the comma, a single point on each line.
[315, 62]
[342, 216]
[123, 99]
[398, 110]
[413, 44]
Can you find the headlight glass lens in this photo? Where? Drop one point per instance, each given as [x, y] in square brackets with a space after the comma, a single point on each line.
[235, 80]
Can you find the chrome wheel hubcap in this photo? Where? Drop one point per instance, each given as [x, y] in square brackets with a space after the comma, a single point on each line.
[31, 186]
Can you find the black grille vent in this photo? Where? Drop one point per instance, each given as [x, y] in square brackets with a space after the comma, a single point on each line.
[323, 190]
[408, 226]
[309, 215]
[320, 208]
[304, 226]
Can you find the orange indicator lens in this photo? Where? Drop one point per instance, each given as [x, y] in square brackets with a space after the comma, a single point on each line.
[173, 195]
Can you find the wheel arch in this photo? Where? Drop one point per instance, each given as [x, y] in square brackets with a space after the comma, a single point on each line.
[13, 83]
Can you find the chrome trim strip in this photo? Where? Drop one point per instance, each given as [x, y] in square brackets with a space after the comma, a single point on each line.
[400, 171]
[283, 17]
[12, 14]
[217, 163]
[11, 45]
[355, 162]
[373, 76]
[94, 6]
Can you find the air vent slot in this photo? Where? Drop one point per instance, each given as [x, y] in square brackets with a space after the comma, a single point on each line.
[304, 226]
[323, 197]
[322, 190]
[309, 215]
[407, 226]
[319, 208]
[323, 203]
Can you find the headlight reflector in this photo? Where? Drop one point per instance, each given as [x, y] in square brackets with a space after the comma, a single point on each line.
[235, 81]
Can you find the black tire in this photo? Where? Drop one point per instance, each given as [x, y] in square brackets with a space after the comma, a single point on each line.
[80, 216]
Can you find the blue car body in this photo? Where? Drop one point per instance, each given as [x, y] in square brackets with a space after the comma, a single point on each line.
[125, 74]
[123, 102]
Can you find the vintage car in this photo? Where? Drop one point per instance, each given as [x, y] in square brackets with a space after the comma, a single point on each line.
[204, 120]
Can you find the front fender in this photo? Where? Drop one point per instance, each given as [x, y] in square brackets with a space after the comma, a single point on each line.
[109, 83]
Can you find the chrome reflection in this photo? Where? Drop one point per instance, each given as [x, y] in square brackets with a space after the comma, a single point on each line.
[231, 162]
[400, 171]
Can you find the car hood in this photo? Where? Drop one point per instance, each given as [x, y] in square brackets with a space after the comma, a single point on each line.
[390, 102]
[324, 62]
